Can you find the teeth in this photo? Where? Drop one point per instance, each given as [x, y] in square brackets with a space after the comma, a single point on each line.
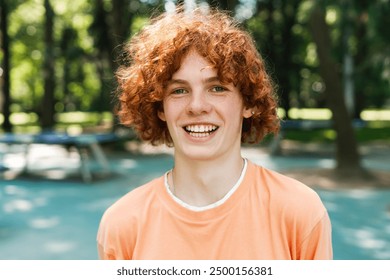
[199, 135]
[200, 128]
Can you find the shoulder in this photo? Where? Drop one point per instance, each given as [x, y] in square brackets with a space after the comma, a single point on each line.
[297, 211]
[287, 192]
[119, 224]
[134, 202]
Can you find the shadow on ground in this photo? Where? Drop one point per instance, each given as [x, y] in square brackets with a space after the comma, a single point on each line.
[58, 219]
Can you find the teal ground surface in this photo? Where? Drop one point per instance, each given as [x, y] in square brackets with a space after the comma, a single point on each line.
[58, 219]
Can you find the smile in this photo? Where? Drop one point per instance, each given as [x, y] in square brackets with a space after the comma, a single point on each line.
[200, 130]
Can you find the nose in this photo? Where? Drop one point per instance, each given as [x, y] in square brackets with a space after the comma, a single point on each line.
[198, 104]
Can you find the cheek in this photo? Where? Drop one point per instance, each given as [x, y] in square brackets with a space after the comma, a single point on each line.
[171, 109]
[235, 109]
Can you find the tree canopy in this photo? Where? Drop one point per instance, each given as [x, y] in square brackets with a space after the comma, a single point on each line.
[87, 37]
[61, 56]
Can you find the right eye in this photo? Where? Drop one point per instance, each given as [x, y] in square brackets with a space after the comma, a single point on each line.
[179, 91]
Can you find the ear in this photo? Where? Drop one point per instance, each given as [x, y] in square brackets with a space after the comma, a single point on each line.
[161, 115]
[247, 113]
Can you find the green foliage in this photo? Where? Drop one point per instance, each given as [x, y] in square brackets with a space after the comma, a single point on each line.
[87, 40]
[138, 23]
[319, 135]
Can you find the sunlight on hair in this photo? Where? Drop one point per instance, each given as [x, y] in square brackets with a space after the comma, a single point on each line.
[170, 6]
[204, 7]
[189, 5]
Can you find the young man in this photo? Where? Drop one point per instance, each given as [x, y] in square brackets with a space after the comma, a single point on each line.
[195, 81]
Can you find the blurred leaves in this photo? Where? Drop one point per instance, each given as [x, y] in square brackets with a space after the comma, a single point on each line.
[88, 36]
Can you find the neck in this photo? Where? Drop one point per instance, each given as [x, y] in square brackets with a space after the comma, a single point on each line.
[205, 182]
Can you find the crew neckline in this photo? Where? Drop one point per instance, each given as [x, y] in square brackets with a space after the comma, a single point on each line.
[209, 206]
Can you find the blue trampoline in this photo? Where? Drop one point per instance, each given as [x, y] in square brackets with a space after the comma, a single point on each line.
[84, 143]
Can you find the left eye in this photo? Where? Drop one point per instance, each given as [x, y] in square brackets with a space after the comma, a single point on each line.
[218, 89]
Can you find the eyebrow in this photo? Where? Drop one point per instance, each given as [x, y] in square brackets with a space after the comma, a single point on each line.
[212, 79]
[207, 80]
[177, 81]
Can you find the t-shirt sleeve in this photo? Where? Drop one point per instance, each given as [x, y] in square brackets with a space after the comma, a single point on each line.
[115, 238]
[104, 240]
[318, 243]
[102, 254]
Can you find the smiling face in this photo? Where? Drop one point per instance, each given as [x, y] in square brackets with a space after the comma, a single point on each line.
[204, 116]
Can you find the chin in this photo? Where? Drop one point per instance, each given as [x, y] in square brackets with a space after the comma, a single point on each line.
[201, 153]
[199, 156]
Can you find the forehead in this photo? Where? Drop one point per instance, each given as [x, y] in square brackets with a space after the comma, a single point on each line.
[194, 64]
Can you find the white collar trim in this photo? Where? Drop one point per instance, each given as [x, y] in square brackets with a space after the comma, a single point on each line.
[212, 205]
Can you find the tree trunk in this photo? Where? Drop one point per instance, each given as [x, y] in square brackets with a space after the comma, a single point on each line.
[121, 19]
[47, 110]
[110, 30]
[348, 60]
[289, 12]
[347, 155]
[361, 69]
[5, 75]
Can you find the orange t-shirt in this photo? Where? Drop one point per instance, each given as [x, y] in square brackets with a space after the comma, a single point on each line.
[269, 216]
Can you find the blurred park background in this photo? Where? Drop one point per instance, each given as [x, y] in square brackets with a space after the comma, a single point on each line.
[330, 60]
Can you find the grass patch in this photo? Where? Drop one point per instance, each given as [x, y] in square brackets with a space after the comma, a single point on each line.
[318, 135]
[363, 135]
[368, 134]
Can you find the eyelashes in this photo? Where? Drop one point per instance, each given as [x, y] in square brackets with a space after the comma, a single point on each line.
[180, 91]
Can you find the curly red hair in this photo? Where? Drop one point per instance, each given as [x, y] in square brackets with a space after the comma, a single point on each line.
[156, 52]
